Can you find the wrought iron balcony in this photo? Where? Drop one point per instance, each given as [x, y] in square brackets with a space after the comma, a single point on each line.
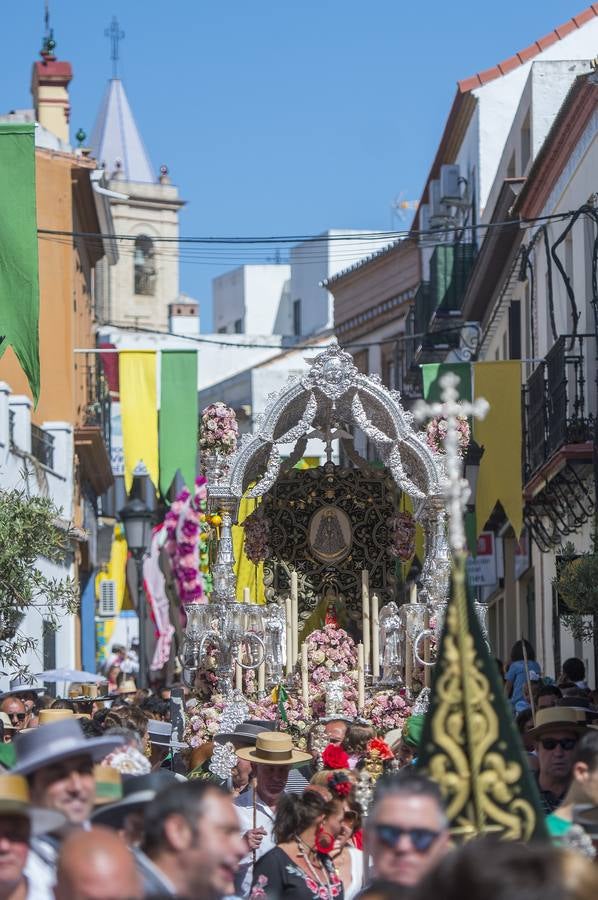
[556, 405]
[97, 410]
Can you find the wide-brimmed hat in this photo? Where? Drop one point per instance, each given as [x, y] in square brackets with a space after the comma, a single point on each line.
[109, 787]
[138, 791]
[14, 800]
[274, 748]
[557, 718]
[50, 716]
[160, 735]
[61, 740]
[6, 723]
[22, 688]
[127, 687]
[246, 732]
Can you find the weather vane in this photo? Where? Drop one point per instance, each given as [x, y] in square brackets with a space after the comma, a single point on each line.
[116, 35]
[456, 489]
[48, 44]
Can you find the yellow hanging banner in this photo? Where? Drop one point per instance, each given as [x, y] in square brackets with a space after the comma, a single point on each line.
[248, 574]
[139, 413]
[499, 478]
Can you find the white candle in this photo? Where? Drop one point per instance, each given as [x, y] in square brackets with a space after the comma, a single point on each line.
[246, 595]
[239, 671]
[295, 616]
[289, 636]
[360, 679]
[375, 638]
[365, 614]
[413, 592]
[304, 681]
[261, 678]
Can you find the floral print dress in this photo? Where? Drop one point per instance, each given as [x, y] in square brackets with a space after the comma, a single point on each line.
[278, 877]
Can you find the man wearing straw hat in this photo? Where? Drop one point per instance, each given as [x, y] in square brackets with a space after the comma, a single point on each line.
[273, 757]
[58, 760]
[556, 733]
[19, 821]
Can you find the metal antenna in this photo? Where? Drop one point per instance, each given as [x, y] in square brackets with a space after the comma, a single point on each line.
[116, 35]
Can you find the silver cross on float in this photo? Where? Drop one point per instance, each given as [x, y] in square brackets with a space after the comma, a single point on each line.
[456, 488]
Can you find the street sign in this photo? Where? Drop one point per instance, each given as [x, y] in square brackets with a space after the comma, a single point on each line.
[481, 570]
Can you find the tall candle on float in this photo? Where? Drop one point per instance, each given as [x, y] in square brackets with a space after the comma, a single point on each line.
[304, 684]
[375, 637]
[365, 617]
[239, 670]
[360, 678]
[289, 636]
[261, 677]
[295, 616]
[246, 595]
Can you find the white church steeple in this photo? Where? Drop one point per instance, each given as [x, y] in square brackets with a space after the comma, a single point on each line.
[145, 281]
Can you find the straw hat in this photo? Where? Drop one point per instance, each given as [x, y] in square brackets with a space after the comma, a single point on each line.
[8, 726]
[49, 716]
[127, 687]
[274, 748]
[14, 800]
[559, 718]
[109, 786]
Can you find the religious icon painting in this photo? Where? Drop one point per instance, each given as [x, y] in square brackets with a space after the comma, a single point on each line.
[330, 534]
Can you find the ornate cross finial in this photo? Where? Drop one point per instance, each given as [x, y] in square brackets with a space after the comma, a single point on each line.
[456, 488]
[116, 35]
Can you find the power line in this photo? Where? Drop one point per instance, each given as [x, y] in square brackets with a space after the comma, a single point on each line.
[363, 237]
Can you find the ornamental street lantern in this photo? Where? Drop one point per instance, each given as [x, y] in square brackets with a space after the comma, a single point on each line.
[137, 521]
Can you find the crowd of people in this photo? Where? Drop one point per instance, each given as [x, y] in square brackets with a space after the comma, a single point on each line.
[99, 802]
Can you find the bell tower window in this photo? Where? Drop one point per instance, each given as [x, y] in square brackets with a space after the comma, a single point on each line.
[145, 266]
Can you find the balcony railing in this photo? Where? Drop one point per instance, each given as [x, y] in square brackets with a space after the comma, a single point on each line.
[556, 403]
[42, 446]
[97, 411]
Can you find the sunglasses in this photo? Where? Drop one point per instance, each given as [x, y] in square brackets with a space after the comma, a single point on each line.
[564, 743]
[20, 716]
[421, 838]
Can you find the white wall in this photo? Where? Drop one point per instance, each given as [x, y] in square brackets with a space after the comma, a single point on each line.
[315, 261]
[498, 100]
[18, 470]
[254, 295]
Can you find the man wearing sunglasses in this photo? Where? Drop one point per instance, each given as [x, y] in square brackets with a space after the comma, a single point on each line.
[16, 712]
[406, 831]
[556, 733]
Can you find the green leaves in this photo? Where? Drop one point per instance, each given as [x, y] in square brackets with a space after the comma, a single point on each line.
[30, 530]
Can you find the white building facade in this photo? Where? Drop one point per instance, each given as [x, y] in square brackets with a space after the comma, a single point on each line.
[47, 474]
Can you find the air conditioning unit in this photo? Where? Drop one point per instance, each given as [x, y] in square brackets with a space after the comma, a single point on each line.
[439, 211]
[450, 185]
[107, 600]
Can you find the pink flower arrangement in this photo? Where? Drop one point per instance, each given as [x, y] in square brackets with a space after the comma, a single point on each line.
[204, 720]
[436, 432]
[257, 535]
[331, 649]
[402, 536]
[219, 429]
[387, 710]
[186, 542]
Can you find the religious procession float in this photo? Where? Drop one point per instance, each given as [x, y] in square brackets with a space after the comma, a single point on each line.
[310, 594]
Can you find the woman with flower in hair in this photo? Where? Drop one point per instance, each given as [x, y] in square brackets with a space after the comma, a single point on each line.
[299, 866]
[355, 744]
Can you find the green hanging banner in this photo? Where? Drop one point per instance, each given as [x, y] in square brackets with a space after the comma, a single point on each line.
[433, 372]
[19, 277]
[178, 417]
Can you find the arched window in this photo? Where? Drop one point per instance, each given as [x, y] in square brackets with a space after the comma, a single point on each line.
[145, 265]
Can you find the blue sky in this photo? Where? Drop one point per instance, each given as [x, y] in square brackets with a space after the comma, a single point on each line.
[279, 118]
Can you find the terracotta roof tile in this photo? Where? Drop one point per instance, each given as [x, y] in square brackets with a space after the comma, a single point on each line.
[507, 65]
[523, 56]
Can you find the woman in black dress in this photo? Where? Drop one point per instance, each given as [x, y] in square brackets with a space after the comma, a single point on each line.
[299, 867]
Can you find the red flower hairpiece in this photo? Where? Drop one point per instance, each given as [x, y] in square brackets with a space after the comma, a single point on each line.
[334, 757]
[380, 747]
[340, 784]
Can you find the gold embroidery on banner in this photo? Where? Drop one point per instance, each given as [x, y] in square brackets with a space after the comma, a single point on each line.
[480, 786]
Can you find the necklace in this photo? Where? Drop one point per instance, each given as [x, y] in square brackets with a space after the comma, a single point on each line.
[302, 847]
